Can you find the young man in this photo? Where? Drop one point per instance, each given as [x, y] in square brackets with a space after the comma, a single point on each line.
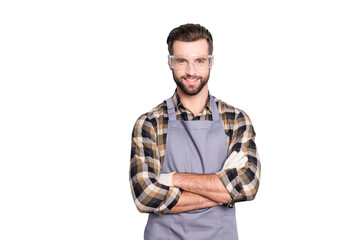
[193, 156]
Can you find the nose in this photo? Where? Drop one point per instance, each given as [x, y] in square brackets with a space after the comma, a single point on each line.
[190, 69]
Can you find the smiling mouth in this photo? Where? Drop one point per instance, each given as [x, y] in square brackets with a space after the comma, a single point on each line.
[191, 80]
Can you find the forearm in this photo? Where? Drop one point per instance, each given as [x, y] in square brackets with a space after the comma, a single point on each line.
[208, 186]
[242, 177]
[190, 201]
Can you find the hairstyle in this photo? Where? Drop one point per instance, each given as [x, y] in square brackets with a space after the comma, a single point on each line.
[188, 33]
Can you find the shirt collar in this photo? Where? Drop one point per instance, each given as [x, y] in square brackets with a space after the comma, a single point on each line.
[180, 106]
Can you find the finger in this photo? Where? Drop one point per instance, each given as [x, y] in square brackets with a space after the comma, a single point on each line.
[229, 160]
[235, 159]
[241, 163]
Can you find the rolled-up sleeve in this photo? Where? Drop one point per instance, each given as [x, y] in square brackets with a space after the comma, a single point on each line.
[242, 183]
[149, 195]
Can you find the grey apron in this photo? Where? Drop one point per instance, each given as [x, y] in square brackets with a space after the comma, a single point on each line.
[194, 147]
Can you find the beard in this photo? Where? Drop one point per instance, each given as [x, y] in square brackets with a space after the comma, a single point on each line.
[191, 90]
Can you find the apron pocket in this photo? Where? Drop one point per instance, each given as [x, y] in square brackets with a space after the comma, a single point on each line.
[229, 228]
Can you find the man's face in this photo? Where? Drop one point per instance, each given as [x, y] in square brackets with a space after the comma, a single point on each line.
[191, 80]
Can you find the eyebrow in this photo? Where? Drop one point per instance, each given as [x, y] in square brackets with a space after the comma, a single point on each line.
[201, 58]
[183, 58]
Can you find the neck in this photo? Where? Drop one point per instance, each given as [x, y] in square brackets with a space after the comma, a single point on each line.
[195, 103]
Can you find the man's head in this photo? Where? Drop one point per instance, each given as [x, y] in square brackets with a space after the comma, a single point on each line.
[191, 46]
[189, 33]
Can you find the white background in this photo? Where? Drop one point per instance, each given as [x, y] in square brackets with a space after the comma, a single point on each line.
[75, 76]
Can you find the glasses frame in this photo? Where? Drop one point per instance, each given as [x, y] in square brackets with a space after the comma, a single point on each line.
[171, 58]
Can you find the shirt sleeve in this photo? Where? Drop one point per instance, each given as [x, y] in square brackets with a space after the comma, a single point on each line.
[149, 195]
[242, 183]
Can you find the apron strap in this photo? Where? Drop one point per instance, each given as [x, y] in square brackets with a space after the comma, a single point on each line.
[172, 113]
[214, 110]
[171, 109]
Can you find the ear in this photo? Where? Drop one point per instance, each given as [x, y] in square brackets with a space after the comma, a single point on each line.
[169, 62]
[212, 62]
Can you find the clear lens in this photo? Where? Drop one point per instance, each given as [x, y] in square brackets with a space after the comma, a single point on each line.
[181, 62]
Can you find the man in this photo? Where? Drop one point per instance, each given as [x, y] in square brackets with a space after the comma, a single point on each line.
[193, 156]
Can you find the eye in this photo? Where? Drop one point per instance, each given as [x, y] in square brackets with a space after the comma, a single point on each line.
[180, 61]
[201, 60]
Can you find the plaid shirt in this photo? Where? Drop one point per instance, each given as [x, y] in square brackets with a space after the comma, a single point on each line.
[148, 152]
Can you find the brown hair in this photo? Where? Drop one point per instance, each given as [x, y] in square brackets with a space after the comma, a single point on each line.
[188, 33]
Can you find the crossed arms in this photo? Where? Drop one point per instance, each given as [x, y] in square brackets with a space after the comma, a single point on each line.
[200, 191]
[237, 181]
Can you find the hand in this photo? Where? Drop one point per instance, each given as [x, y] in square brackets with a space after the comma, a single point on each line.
[235, 160]
[166, 179]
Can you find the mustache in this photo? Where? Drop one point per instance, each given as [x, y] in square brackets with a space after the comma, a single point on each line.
[190, 76]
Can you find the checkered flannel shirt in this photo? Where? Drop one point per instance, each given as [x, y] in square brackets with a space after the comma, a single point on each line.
[148, 151]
